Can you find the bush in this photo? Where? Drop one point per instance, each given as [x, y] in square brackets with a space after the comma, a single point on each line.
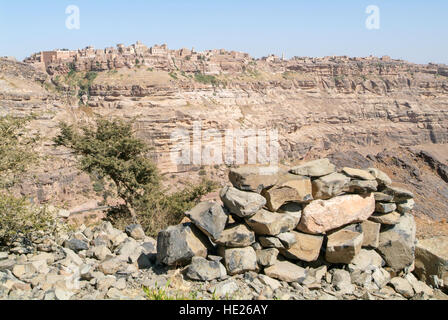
[18, 219]
[206, 79]
[15, 157]
[110, 150]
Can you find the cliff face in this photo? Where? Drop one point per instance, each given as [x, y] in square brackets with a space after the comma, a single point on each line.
[312, 112]
[318, 106]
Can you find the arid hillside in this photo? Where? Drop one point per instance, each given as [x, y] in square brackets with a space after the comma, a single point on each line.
[384, 113]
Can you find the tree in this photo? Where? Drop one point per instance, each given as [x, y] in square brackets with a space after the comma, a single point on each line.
[109, 149]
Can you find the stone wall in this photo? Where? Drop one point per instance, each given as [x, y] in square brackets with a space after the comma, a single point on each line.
[280, 224]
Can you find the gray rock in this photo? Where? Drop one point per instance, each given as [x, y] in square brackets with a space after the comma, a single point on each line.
[431, 261]
[272, 283]
[110, 266]
[384, 207]
[205, 270]
[105, 283]
[241, 203]
[342, 281]
[307, 247]
[224, 289]
[382, 197]
[286, 271]
[397, 243]
[7, 264]
[316, 168]
[209, 217]
[381, 277]
[357, 174]
[366, 260]
[343, 246]
[240, 260]
[406, 207]
[270, 242]
[371, 231]
[76, 245]
[403, 287]
[176, 245]
[135, 231]
[254, 178]
[3, 256]
[272, 223]
[382, 178]
[60, 294]
[129, 251]
[388, 219]
[288, 239]
[237, 236]
[267, 257]
[399, 194]
[330, 186]
[419, 286]
[99, 252]
[362, 186]
[71, 256]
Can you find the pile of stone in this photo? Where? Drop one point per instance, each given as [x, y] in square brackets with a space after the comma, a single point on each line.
[295, 225]
[95, 262]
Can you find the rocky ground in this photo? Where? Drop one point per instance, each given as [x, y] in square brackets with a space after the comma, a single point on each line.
[105, 263]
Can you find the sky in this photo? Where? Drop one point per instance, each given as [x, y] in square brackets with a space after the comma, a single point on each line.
[412, 30]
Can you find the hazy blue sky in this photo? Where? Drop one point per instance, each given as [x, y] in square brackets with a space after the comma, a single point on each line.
[414, 30]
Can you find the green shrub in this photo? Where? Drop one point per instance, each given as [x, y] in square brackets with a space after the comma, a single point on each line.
[110, 150]
[18, 219]
[206, 79]
[15, 146]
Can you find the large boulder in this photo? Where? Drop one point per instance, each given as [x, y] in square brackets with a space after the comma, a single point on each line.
[289, 188]
[209, 217]
[204, 270]
[431, 260]
[272, 223]
[286, 271]
[316, 168]
[321, 216]
[240, 260]
[177, 245]
[306, 248]
[330, 186]
[241, 203]
[236, 236]
[254, 178]
[343, 246]
[397, 244]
